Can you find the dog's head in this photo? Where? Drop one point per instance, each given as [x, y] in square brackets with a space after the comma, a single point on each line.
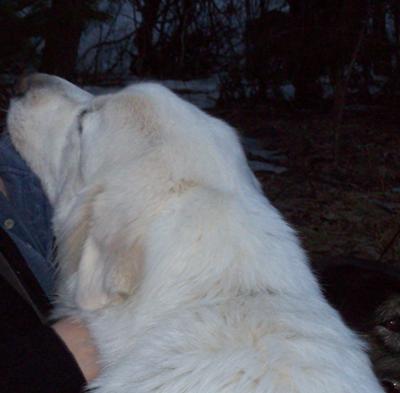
[115, 159]
[67, 135]
[41, 121]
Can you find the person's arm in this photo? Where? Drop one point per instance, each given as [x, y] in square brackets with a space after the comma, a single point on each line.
[36, 359]
[3, 187]
[77, 338]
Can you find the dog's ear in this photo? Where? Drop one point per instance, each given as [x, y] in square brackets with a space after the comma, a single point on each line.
[104, 270]
[105, 277]
[89, 290]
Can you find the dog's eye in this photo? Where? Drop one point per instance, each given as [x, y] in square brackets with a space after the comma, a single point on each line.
[393, 325]
[80, 120]
[391, 386]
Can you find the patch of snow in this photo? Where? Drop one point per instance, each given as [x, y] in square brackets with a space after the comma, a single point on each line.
[98, 90]
[391, 27]
[209, 85]
[203, 101]
[269, 155]
[357, 107]
[249, 143]
[373, 89]
[252, 146]
[326, 85]
[201, 92]
[379, 78]
[259, 166]
[288, 91]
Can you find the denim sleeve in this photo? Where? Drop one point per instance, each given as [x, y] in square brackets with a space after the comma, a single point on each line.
[26, 214]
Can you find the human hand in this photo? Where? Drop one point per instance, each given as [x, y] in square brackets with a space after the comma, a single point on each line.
[2, 187]
[77, 338]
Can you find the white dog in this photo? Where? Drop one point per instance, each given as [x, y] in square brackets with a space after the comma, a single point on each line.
[190, 281]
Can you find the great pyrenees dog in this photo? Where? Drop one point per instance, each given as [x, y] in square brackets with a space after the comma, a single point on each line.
[190, 281]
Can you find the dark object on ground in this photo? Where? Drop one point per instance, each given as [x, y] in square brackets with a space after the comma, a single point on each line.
[367, 294]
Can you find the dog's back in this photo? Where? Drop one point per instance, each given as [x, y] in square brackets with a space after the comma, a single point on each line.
[188, 278]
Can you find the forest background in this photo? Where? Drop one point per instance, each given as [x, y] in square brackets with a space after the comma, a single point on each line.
[312, 85]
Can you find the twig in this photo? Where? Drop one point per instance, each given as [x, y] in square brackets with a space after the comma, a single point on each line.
[390, 244]
[341, 89]
[384, 205]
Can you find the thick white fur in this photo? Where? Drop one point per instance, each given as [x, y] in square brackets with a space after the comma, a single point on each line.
[189, 279]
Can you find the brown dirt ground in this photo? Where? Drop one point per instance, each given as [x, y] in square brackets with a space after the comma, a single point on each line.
[340, 207]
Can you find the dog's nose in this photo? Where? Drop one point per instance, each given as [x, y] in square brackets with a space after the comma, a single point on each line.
[23, 85]
[34, 80]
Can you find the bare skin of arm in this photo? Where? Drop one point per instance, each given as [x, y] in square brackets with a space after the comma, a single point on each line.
[76, 337]
[2, 187]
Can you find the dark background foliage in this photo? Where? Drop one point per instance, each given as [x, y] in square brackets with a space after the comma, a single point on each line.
[316, 80]
[351, 47]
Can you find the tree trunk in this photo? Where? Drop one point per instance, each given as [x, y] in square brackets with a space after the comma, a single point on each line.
[352, 15]
[62, 36]
[381, 44]
[143, 64]
[396, 18]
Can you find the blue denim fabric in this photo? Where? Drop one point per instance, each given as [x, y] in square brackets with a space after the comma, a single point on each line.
[26, 214]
